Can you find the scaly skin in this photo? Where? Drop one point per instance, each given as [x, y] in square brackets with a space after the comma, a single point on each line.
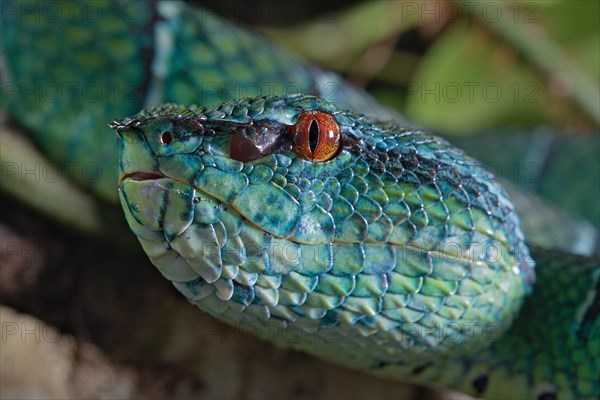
[399, 256]
[139, 54]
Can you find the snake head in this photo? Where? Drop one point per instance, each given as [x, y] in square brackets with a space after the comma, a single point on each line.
[289, 210]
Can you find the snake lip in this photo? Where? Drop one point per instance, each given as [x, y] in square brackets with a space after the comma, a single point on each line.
[141, 176]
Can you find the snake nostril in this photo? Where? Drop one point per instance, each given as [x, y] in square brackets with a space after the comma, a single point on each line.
[166, 137]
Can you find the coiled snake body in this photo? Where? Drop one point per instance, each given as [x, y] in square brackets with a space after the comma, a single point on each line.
[395, 253]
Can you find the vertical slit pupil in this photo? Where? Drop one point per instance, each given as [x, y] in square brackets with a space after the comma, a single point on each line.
[313, 135]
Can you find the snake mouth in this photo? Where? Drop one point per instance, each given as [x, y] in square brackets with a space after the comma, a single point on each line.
[139, 176]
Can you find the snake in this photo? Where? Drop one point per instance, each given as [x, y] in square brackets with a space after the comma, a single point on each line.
[311, 216]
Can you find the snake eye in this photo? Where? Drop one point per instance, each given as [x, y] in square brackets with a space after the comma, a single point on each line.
[166, 137]
[316, 136]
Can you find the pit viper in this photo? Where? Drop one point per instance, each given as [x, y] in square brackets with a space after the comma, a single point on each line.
[286, 204]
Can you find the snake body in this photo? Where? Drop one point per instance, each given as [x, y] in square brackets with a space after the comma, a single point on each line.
[400, 256]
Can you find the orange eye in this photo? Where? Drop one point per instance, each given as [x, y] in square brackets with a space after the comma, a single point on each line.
[316, 136]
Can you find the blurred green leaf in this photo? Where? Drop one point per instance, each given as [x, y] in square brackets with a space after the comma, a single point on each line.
[338, 40]
[470, 81]
[519, 66]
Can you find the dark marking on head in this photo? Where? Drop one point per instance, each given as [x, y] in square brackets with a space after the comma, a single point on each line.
[547, 396]
[242, 149]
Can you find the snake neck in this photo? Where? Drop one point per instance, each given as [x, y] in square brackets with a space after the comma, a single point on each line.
[552, 351]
